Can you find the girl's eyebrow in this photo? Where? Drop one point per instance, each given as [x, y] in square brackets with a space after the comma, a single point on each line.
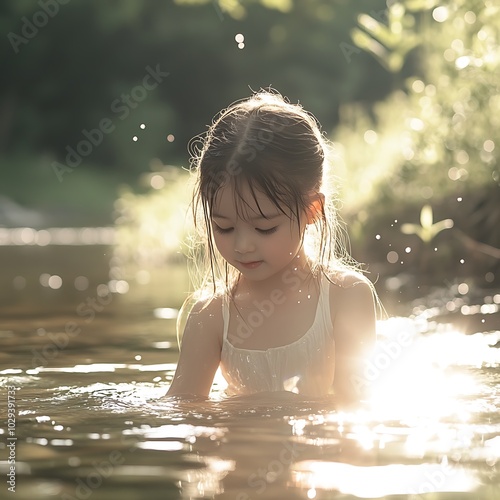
[257, 217]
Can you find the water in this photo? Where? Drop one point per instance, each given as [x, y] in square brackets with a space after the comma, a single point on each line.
[92, 420]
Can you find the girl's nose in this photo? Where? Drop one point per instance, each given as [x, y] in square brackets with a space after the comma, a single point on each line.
[243, 242]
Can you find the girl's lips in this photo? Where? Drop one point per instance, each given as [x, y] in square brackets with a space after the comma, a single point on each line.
[251, 265]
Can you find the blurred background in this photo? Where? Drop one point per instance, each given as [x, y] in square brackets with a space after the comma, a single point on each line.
[99, 102]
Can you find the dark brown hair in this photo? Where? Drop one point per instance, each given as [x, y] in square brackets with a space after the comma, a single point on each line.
[276, 148]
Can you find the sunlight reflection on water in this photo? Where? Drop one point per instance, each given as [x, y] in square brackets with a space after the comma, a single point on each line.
[89, 426]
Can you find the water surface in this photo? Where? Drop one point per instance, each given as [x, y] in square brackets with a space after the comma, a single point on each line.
[92, 420]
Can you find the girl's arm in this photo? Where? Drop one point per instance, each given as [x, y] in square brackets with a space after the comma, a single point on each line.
[354, 321]
[200, 351]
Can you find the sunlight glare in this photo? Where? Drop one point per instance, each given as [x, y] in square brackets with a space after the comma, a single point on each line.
[419, 380]
[382, 480]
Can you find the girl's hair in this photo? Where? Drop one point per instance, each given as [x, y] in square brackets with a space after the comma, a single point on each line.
[276, 148]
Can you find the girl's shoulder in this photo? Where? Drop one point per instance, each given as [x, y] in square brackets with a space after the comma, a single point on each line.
[350, 289]
[353, 302]
[209, 309]
[203, 311]
[347, 278]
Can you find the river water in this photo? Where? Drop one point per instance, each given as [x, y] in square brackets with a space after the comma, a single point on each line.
[83, 376]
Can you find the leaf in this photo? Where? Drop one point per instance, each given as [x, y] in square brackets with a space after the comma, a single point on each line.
[378, 31]
[442, 225]
[410, 229]
[366, 42]
[280, 5]
[426, 217]
[418, 5]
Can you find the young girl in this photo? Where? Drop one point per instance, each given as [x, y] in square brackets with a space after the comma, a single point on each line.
[287, 310]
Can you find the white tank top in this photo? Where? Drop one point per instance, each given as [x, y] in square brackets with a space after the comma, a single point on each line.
[306, 366]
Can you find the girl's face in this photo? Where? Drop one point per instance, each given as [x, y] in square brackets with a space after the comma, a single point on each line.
[259, 247]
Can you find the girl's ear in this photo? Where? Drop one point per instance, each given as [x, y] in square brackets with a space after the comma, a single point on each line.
[316, 207]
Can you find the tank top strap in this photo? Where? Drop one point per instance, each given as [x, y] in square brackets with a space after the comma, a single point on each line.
[225, 315]
[325, 300]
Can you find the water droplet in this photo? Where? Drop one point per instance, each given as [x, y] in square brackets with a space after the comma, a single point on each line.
[74, 461]
[44, 279]
[459, 199]
[462, 261]
[488, 146]
[392, 257]
[418, 86]
[377, 237]
[239, 40]
[102, 290]
[408, 249]
[470, 17]
[143, 126]
[135, 138]
[370, 137]
[440, 14]
[81, 283]
[55, 282]
[157, 181]
[462, 157]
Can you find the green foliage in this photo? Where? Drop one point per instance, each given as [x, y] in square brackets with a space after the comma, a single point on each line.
[84, 195]
[446, 120]
[434, 142]
[370, 150]
[238, 9]
[390, 38]
[151, 227]
[91, 53]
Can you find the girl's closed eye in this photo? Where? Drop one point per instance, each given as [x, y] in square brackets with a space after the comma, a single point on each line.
[267, 231]
[222, 230]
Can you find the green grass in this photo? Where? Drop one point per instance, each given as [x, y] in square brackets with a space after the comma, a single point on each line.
[85, 195]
